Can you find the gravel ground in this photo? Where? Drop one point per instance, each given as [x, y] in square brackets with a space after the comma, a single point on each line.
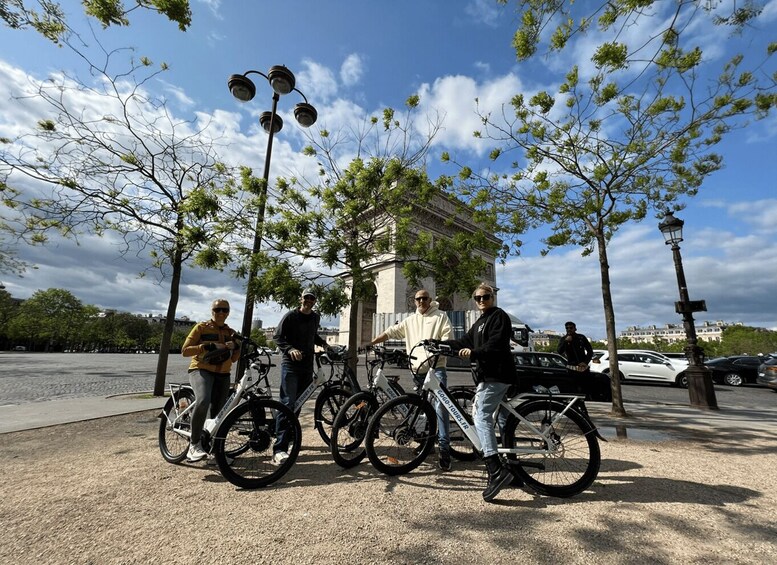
[99, 492]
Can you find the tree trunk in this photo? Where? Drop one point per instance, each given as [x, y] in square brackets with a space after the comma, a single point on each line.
[167, 333]
[353, 338]
[609, 323]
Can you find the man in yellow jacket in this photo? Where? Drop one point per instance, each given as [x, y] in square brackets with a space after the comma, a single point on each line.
[428, 322]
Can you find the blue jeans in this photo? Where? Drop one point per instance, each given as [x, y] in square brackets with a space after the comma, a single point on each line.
[487, 399]
[294, 379]
[443, 421]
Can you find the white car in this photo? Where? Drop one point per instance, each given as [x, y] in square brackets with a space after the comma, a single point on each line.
[643, 365]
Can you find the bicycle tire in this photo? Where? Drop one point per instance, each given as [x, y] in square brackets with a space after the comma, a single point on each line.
[253, 422]
[571, 469]
[172, 445]
[350, 428]
[461, 448]
[401, 434]
[328, 404]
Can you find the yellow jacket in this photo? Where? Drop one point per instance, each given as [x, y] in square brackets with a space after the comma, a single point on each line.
[201, 335]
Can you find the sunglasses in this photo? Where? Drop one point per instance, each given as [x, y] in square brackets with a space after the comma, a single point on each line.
[421, 298]
[221, 310]
[481, 298]
[308, 297]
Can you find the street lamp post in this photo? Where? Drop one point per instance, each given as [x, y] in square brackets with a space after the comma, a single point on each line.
[700, 387]
[282, 81]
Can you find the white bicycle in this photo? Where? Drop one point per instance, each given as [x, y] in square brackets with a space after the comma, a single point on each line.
[241, 436]
[548, 440]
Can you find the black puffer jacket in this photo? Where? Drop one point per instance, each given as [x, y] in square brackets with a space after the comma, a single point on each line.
[489, 340]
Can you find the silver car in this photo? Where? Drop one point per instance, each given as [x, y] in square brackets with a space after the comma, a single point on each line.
[643, 365]
[767, 373]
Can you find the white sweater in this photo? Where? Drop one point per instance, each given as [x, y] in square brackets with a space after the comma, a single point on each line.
[432, 324]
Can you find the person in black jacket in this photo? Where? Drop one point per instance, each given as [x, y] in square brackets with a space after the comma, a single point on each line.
[296, 336]
[578, 352]
[487, 345]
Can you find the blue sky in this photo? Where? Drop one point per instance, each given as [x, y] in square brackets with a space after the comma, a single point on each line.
[351, 59]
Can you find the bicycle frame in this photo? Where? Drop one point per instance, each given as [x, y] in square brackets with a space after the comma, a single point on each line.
[432, 384]
[247, 382]
[319, 379]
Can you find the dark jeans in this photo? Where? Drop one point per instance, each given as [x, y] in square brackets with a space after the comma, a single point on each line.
[294, 380]
[211, 390]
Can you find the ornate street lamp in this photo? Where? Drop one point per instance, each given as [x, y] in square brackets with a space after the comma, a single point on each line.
[282, 82]
[700, 387]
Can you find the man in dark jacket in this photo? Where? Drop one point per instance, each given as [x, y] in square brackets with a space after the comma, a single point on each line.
[487, 344]
[578, 352]
[296, 336]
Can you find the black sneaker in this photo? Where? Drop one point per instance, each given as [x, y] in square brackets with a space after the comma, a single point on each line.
[497, 483]
[444, 462]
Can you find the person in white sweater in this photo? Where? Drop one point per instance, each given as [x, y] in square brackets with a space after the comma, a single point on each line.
[428, 322]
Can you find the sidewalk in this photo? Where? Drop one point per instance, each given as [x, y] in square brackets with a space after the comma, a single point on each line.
[17, 417]
[646, 421]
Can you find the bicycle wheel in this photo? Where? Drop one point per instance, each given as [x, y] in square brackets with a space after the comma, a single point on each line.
[253, 423]
[173, 445]
[349, 428]
[574, 462]
[461, 448]
[401, 434]
[328, 404]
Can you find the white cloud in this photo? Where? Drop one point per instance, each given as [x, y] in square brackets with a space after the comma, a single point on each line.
[316, 81]
[546, 291]
[484, 11]
[213, 6]
[769, 13]
[455, 95]
[178, 94]
[352, 69]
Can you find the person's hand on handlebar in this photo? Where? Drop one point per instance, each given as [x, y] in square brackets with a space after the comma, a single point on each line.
[465, 352]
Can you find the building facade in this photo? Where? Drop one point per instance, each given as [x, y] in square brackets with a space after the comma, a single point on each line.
[394, 295]
[673, 333]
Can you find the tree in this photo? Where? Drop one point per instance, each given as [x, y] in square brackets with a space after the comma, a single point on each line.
[122, 163]
[49, 19]
[8, 308]
[51, 317]
[632, 132]
[356, 215]
[741, 340]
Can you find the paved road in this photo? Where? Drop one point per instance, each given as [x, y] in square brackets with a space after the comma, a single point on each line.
[38, 390]
[32, 377]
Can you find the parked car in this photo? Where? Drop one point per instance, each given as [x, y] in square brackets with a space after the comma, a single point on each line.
[767, 373]
[735, 370]
[550, 369]
[643, 365]
[20, 348]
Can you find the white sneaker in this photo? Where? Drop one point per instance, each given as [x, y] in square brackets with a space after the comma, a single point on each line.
[196, 453]
[280, 458]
